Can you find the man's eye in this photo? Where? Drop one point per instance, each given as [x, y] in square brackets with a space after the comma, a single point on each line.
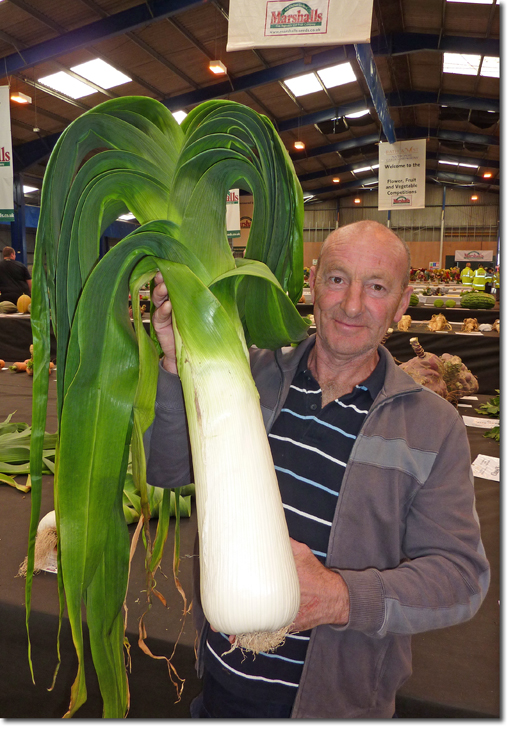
[377, 288]
[336, 280]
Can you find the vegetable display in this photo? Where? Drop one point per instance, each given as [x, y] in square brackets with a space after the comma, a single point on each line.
[174, 179]
[7, 307]
[446, 375]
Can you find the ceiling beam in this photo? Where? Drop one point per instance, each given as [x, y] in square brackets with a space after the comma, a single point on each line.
[365, 59]
[395, 99]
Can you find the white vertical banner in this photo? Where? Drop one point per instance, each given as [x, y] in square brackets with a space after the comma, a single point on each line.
[233, 213]
[402, 175]
[6, 182]
[278, 23]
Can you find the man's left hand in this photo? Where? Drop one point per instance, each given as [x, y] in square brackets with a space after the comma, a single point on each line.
[324, 594]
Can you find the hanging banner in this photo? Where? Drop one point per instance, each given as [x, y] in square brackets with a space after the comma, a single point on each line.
[6, 184]
[278, 23]
[473, 255]
[232, 213]
[402, 175]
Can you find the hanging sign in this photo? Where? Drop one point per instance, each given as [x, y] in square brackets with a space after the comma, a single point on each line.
[278, 23]
[402, 175]
[473, 255]
[6, 184]
[232, 213]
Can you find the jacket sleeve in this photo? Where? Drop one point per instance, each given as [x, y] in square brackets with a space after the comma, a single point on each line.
[444, 574]
[166, 441]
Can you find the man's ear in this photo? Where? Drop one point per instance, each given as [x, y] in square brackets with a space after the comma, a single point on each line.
[403, 304]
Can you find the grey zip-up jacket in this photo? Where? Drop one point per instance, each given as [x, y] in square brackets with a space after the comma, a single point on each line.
[405, 534]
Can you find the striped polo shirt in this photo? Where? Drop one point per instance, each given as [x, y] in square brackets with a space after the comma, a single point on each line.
[310, 447]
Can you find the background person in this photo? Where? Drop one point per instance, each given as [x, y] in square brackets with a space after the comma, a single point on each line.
[15, 279]
[467, 275]
[479, 281]
[374, 473]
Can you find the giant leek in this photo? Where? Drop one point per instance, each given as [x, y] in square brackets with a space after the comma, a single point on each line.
[129, 154]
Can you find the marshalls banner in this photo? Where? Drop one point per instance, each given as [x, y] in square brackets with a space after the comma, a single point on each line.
[233, 213]
[402, 175]
[6, 194]
[275, 23]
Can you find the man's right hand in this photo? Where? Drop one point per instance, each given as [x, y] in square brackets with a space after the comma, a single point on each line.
[163, 324]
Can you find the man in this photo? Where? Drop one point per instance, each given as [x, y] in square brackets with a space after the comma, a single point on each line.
[15, 279]
[489, 279]
[496, 289]
[467, 275]
[374, 472]
[479, 281]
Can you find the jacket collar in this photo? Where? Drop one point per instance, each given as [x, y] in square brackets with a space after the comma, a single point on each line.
[396, 380]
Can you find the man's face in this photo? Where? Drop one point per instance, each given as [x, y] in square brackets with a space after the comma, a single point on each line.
[358, 292]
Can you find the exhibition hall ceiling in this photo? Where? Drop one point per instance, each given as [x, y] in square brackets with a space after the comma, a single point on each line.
[162, 49]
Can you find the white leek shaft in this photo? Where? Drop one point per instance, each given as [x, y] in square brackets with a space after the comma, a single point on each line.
[248, 576]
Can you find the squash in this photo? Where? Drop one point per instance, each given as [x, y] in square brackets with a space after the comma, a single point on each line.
[7, 307]
[23, 303]
[477, 300]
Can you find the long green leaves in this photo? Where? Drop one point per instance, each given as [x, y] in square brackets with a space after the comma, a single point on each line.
[175, 180]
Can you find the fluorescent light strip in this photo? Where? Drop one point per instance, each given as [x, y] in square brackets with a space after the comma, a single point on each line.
[361, 170]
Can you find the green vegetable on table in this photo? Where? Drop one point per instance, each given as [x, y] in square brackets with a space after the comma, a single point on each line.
[492, 409]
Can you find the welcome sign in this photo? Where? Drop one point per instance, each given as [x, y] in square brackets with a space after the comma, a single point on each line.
[402, 175]
[275, 23]
[6, 194]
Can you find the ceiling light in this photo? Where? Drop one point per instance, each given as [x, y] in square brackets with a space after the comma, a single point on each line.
[357, 200]
[299, 145]
[355, 115]
[487, 175]
[305, 84]
[180, 116]
[29, 189]
[21, 98]
[461, 63]
[474, 198]
[478, 2]
[68, 85]
[101, 73]
[362, 170]
[336, 180]
[491, 67]
[468, 165]
[448, 162]
[337, 75]
[217, 67]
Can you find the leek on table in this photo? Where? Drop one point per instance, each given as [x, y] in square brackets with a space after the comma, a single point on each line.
[174, 179]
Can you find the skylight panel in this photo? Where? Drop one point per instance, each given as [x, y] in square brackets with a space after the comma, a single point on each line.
[461, 63]
[355, 115]
[179, 116]
[29, 189]
[101, 73]
[305, 84]
[337, 75]
[491, 67]
[126, 217]
[68, 85]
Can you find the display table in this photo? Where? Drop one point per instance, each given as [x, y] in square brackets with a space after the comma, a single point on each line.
[455, 670]
[424, 312]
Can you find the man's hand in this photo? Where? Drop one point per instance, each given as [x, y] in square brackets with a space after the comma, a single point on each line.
[163, 324]
[324, 594]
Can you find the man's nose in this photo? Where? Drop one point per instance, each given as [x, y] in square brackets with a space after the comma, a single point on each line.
[353, 302]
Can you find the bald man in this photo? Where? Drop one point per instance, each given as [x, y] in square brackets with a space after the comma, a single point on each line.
[375, 479]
